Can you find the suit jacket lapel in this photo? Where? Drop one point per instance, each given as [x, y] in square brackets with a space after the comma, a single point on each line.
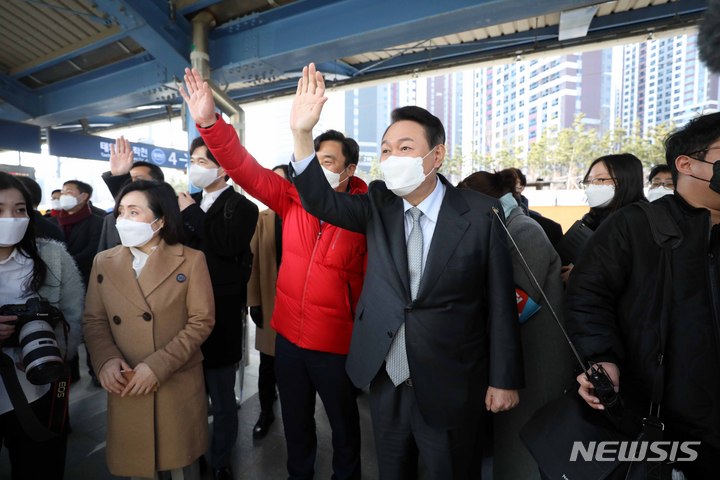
[393, 218]
[122, 275]
[450, 228]
[161, 263]
[219, 204]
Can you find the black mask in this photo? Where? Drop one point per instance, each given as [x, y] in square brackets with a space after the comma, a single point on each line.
[715, 179]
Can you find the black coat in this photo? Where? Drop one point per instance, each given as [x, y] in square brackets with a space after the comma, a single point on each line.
[462, 330]
[82, 243]
[47, 228]
[226, 244]
[613, 301]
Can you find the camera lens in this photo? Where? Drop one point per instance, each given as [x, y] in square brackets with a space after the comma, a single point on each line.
[41, 355]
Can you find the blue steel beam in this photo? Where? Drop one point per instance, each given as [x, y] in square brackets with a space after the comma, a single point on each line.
[197, 6]
[242, 52]
[19, 96]
[666, 16]
[151, 26]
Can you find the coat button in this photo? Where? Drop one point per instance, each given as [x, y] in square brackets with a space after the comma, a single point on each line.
[99, 278]
[147, 317]
[180, 277]
[389, 333]
[116, 320]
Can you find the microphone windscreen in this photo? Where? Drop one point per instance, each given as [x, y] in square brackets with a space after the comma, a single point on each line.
[709, 36]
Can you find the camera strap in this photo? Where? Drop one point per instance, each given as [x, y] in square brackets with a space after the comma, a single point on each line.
[28, 421]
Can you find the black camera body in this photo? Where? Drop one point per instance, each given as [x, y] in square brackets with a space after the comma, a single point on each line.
[35, 336]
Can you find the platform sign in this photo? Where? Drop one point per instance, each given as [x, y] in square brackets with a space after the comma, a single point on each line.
[78, 145]
[19, 136]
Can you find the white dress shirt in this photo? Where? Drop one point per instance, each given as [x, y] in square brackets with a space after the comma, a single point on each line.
[15, 271]
[139, 259]
[430, 207]
[208, 198]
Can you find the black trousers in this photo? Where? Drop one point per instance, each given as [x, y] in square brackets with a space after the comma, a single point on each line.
[266, 382]
[301, 374]
[405, 442]
[31, 460]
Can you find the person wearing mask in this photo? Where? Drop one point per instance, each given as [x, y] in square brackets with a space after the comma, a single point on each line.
[149, 308]
[548, 362]
[121, 162]
[661, 182]
[54, 204]
[81, 228]
[611, 182]
[617, 303]
[318, 286]
[32, 267]
[220, 222]
[44, 228]
[266, 246]
[436, 333]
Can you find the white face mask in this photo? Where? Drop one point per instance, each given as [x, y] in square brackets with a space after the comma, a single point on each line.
[333, 178]
[55, 204]
[508, 204]
[403, 175]
[599, 195]
[135, 234]
[202, 177]
[655, 193]
[12, 230]
[68, 202]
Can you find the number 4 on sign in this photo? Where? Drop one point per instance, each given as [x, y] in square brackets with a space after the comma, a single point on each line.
[172, 158]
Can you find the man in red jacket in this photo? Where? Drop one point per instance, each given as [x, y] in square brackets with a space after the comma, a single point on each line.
[318, 286]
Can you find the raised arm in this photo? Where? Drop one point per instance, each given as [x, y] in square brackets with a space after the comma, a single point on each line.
[350, 212]
[222, 140]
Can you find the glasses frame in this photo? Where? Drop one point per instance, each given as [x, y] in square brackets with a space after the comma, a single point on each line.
[597, 181]
[663, 184]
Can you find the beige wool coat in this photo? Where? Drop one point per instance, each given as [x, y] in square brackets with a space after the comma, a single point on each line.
[261, 286]
[161, 319]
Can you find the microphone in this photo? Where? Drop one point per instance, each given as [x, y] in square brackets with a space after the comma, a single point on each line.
[709, 36]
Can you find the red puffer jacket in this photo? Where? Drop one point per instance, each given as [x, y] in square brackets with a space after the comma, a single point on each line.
[322, 269]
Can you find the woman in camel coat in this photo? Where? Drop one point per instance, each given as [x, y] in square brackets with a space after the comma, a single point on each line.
[148, 309]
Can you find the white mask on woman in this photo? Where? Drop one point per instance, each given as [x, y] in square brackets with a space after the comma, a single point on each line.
[599, 195]
[68, 202]
[135, 234]
[202, 177]
[12, 230]
[403, 175]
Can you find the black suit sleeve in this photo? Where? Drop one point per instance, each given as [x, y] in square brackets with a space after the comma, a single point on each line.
[506, 365]
[92, 228]
[115, 183]
[351, 212]
[194, 222]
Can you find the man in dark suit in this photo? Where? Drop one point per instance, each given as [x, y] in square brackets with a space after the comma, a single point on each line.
[436, 330]
[221, 222]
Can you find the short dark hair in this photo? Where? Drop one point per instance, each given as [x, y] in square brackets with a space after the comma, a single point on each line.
[284, 168]
[27, 245]
[658, 169]
[33, 188]
[692, 140]
[520, 176]
[82, 186]
[350, 148]
[434, 130]
[493, 184]
[626, 169]
[163, 202]
[57, 190]
[155, 172]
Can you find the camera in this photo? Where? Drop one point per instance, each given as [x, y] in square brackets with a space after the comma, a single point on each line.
[35, 336]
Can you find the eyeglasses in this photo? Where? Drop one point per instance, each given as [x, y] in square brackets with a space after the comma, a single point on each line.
[662, 183]
[598, 181]
[702, 151]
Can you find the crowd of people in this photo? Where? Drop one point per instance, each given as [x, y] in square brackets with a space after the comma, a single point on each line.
[447, 303]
